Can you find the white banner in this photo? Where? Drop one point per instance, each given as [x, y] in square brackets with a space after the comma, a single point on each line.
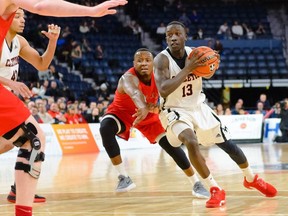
[243, 127]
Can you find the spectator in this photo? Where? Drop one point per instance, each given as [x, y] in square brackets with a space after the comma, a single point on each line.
[85, 46]
[250, 33]
[199, 34]
[263, 99]
[94, 116]
[76, 56]
[219, 109]
[93, 27]
[260, 109]
[284, 122]
[55, 75]
[46, 117]
[224, 31]
[195, 18]
[99, 53]
[56, 114]
[260, 31]
[237, 108]
[184, 19]
[161, 32]
[34, 113]
[84, 28]
[218, 46]
[237, 30]
[53, 90]
[227, 111]
[70, 115]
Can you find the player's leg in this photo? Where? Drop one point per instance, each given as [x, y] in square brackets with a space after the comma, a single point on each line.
[251, 180]
[187, 136]
[30, 139]
[182, 161]
[6, 146]
[109, 127]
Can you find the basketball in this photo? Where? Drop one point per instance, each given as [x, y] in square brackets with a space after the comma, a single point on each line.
[210, 58]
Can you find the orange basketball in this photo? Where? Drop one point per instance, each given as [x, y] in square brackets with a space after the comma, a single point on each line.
[211, 60]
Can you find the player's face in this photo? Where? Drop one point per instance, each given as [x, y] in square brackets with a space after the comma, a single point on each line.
[18, 23]
[175, 37]
[143, 63]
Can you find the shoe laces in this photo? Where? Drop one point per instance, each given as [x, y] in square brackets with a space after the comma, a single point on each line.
[261, 183]
[215, 194]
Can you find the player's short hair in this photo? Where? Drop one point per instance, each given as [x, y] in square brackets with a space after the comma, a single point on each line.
[142, 50]
[177, 23]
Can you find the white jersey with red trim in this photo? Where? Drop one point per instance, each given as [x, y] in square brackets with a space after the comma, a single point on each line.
[189, 94]
[9, 62]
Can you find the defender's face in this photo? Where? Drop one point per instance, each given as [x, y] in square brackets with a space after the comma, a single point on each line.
[143, 63]
[18, 23]
[175, 37]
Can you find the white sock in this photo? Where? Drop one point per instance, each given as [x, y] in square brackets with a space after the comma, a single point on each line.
[248, 173]
[121, 169]
[210, 182]
[193, 179]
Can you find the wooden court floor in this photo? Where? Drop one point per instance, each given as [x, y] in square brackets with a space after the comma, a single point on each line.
[83, 185]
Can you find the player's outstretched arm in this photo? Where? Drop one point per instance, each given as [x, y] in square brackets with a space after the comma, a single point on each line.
[33, 57]
[60, 8]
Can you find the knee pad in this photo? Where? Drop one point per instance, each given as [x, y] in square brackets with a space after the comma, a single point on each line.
[32, 157]
[30, 132]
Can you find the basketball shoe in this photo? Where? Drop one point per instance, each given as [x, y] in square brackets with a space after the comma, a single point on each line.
[217, 198]
[200, 191]
[258, 183]
[125, 184]
[12, 196]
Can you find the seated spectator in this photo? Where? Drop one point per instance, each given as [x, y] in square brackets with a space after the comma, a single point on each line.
[195, 18]
[34, 113]
[99, 53]
[44, 115]
[85, 46]
[199, 34]
[84, 28]
[55, 75]
[218, 46]
[161, 33]
[263, 99]
[260, 109]
[250, 33]
[219, 109]
[93, 26]
[54, 90]
[184, 19]
[94, 116]
[224, 31]
[58, 117]
[260, 31]
[76, 56]
[237, 108]
[227, 111]
[70, 115]
[237, 30]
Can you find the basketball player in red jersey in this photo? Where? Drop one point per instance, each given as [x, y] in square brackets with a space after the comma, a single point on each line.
[137, 90]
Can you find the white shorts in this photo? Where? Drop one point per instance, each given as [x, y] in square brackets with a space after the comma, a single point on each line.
[201, 119]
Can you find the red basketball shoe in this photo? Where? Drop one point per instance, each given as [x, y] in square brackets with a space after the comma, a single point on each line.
[217, 198]
[12, 196]
[258, 183]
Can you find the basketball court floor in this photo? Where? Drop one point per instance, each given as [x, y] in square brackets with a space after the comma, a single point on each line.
[83, 185]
